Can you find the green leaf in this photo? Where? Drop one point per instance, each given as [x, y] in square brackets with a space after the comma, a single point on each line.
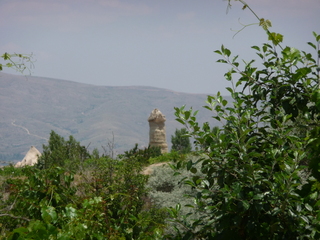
[187, 115]
[48, 214]
[292, 214]
[193, 170]
[314, 195]
[316, 36]
[230, 90]
[228, 75]
[227, 52]
[304, 218]
[71, 212]
[21, 230]
[189, 206]
[276, 38]
[256, 47]
[224, 102]
[6, 56]
[234, 59]
[222, 61]
[245, 205]
[298, 207]
[308, 207]
[189, 165]
[258, 196]
[209, 108]
[265, 24]
[312, 45]
[206, 182]
[180, 120]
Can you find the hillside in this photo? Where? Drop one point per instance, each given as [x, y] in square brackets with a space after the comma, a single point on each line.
[30, 107]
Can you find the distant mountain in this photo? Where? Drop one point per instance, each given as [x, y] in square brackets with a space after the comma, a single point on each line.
[30, 107]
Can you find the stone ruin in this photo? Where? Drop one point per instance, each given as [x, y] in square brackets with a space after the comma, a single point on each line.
[30, 159]
[157, 132]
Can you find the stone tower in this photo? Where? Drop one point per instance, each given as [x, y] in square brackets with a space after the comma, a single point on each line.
[157, 133]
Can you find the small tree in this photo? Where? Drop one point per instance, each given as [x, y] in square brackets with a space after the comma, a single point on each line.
[181, 141]
[60, 152]
[256, 184]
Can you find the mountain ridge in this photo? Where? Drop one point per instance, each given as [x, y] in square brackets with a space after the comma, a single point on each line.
[33, 106]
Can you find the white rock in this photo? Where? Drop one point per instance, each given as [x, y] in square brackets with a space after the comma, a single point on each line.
[30, 159]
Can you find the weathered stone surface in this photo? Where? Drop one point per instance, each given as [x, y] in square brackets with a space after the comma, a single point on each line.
[157, 132]
[30, 159]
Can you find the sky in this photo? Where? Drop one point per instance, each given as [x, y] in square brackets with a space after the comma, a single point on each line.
[160, 43]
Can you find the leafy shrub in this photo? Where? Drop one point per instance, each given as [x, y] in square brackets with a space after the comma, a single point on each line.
[11, 171]
[142, 155]
[105, 200]
[254, 169]
[256, 181]
[32, 190]
[59, 152]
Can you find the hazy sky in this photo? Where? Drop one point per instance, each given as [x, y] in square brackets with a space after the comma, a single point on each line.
[161, 43]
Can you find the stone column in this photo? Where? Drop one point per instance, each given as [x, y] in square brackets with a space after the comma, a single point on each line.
[157, 133]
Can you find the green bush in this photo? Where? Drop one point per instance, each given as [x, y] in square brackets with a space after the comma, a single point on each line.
[62, 153]
[11, 171]
[105, 199]
[142, 155]
[255, 177]
[256, 181]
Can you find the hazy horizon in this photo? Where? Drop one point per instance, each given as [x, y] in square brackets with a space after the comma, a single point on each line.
[165, 44]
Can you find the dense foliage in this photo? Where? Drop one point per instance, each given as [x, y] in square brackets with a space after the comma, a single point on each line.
[181, 141]
[88, 198]
[142, 155]
[261, 169]
[60, 152]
